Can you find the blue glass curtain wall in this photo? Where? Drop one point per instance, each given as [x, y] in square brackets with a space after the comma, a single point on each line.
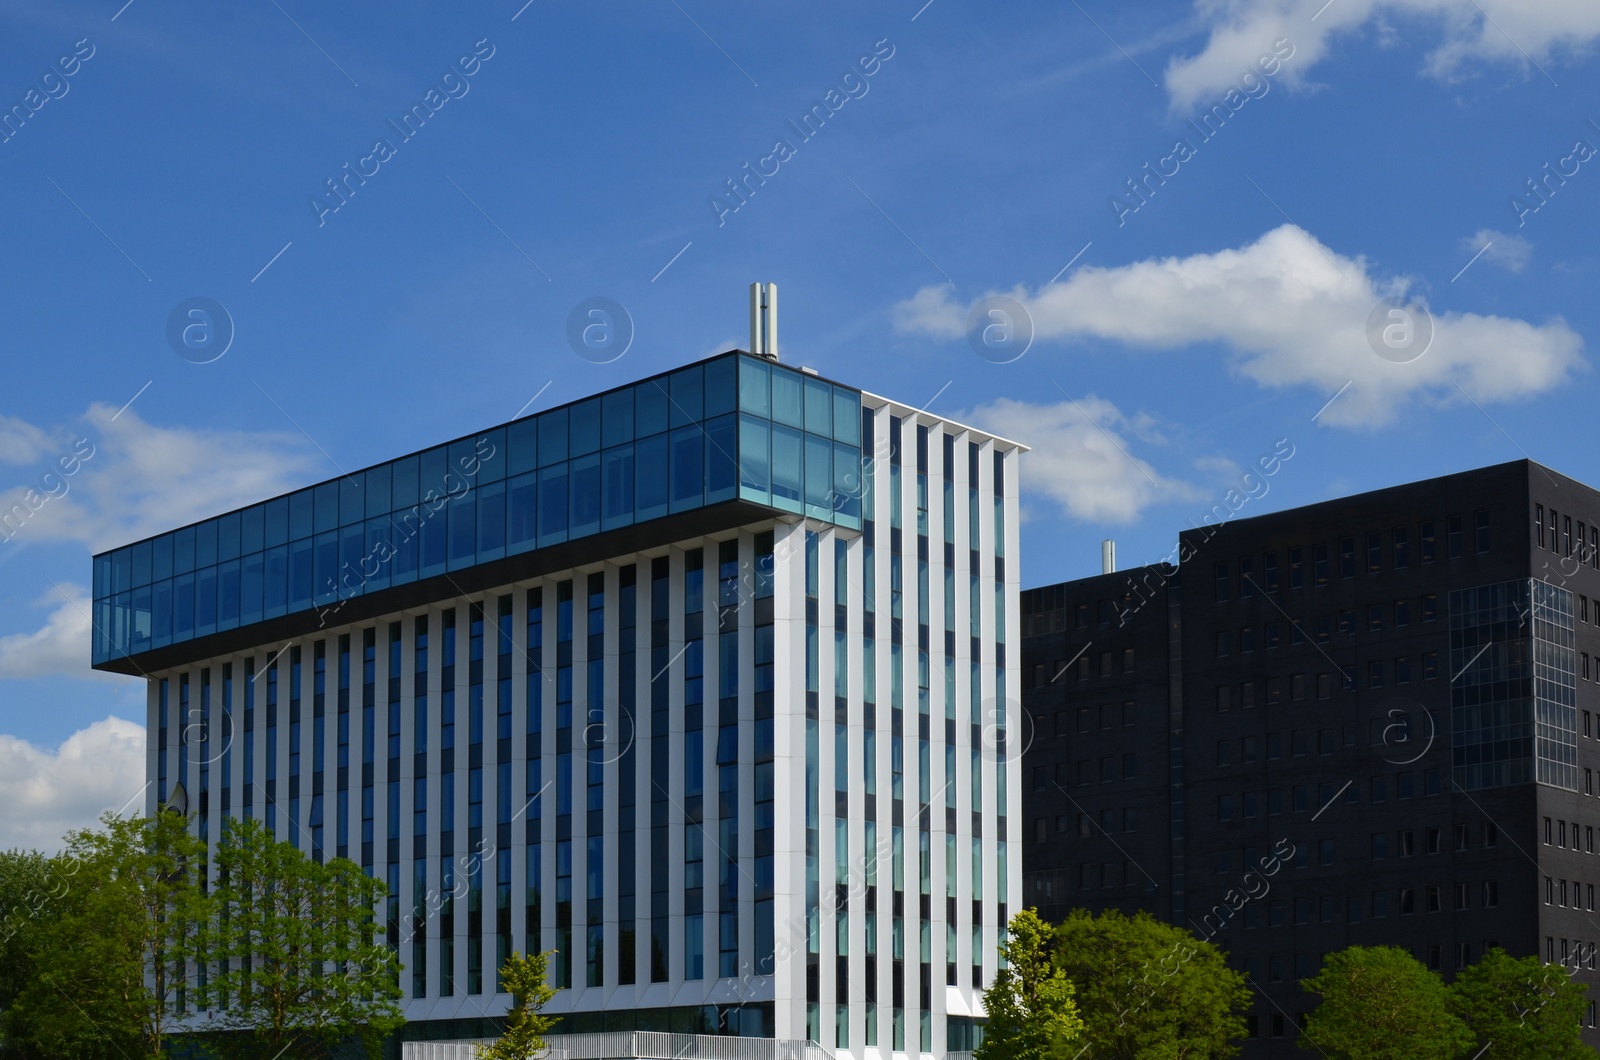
[734, 426]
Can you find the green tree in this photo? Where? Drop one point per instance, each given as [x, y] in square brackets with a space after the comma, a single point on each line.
[1150, 990]
[111, 964]
[34, 892]
[1380, 1003]
[1031, 1009]
[1521, 1009]
[525, 1025]
[296, 955]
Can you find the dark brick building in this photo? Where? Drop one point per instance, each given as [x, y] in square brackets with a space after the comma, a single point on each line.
[1367, 721]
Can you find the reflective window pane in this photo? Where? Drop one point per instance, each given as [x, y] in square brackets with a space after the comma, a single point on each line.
[787, 466]
[722, 460]
[819, 407]
[721, 380]
[650, 476]
[650, 408]
[585, 513]
[553, 505]
[688, 395]
[552, 437]
[205, 546]
[227, 537]
[846, 416]
[786, 397]
[491, 520]
[754, 384]
[377, 483]
[617, 501]
[585, 427]
[522, 445]
[616, 417]
[688, 470]
[524, 492]
[755, 466]
[326, 505]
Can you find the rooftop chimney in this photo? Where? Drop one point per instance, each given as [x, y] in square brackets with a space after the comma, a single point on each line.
[764, 320]
[1108, 556]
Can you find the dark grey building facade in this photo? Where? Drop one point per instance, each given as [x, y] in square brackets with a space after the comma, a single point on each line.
[1366, 721]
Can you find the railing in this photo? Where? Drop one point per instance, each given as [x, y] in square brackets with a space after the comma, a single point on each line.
[638, 1045]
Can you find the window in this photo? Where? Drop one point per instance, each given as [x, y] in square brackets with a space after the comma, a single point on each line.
[1402, 612]
[1352, 911]
[1375, 673]
[1402, 785]
[1431, 839]
[1347, 623]
[1325, 852]
[1324, 686]
[1247, 581]
[1222, 581]
[1380, 845]
[1274, 745]
[1297, 743]
[1407, 845]
[1538, 524]
[1222, 643]
[1482, 531]
[1549, 831]
[1430, 665]
[1270, 569]
[1127, 712]
[1224, 697]
[1130, 766]
[1429, 541]
[1491, 893]
[1374, 552]
[1347, 557]
[1302, 798]
[1380, 904]
[1453, 539]
[1319, 564]
[1491, 834]
[1297, 568]
[1408, 901]
[1402, 548]
[1461, 837]
[1324, 629]
[1225, 807]
[1297, 687]
[1127, 660]
[1430, 607]
[1247, 749]
[1085, 826]
[1380, 789]
[1402, 670]
[1374, 618]
[1247, 640]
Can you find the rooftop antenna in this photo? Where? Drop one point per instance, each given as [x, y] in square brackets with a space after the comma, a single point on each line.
[764, 320]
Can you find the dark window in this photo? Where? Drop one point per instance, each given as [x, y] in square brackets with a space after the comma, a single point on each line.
[1374, 617]
[1270, 572]
[1247, 579]
[1402, 548]
[1483, 541]
[1347, 557]
[1297, 567]
[1222, 583]
[1374, 552]
[1402, 670]
[1491, 834]
[1127, 660]
[1538, 524]
[1430, 541]
[1566, 535]
[1453, 542]
[1430, 607]
[1402, 612]
[1430, 665]
[1222, 643]
[1375, 673]
[1319, 564]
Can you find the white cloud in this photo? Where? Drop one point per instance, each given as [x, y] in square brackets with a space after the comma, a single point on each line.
[132, 479]
[1499, 248]
[1292, 313]
[59, 647]
[1079, 459]
[47, 793]
[1512, 31]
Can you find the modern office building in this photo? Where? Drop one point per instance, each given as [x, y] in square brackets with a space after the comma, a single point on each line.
[693, 681]
[1366, 721]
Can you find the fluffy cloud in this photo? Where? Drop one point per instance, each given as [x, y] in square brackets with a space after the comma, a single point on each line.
[1499, 248]
[132, 479]
[47, 793]
[60, 646]
[1488, 30]
[1293, 314]
[1079, 459]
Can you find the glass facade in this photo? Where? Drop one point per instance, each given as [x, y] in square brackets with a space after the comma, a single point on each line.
[734, 426]
[1513, 700]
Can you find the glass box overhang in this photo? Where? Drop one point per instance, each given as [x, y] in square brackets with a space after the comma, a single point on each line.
[723, 442]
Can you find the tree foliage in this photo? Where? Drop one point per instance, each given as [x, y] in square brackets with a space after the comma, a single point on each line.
[1380, 1003]
[34, 892]
[108, 970]
[1150, 990]
[1031, 1009]
[525, 1025]
[295, 951]
[1521, 1009]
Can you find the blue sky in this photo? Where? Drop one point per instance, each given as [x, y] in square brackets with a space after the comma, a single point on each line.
[976, 153]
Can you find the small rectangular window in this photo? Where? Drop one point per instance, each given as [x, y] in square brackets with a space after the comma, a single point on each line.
[1429, 541]
[1430, 665]
[1222, 581]
[1402, 547]
[1538, 524]
[1247, 579]
[1297, 567]
[1453, 537]
[1482, 532]
[1347, 557]
[1430, 607]
[1319, 564]
[1374, 552]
